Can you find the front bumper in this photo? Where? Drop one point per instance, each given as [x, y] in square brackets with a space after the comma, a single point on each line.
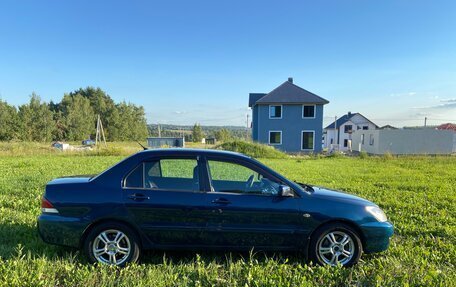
[60, 230]
[376, 236]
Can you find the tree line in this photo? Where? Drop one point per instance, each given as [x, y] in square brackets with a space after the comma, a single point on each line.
[73, 118]
[196, 132]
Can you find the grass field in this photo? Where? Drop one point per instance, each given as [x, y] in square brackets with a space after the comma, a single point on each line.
[417, 193]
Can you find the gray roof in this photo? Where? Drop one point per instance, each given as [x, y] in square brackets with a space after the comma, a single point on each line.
[340, 121]
[287, 93]
[254, 97]
[345, 118]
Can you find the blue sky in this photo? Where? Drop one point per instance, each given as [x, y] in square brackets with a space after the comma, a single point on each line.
[196, 61]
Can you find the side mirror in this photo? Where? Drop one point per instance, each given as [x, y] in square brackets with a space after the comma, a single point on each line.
[285, 191]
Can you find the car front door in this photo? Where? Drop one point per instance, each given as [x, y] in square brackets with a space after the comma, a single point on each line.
[247, 210]
[163, 197]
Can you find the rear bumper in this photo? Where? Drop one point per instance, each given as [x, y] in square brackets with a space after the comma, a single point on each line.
[376, 236]
[60, 230]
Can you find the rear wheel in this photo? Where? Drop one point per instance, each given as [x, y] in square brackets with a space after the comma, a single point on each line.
[334, 244]
[112, 244]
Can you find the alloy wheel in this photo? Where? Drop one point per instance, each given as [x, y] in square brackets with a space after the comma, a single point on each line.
[336, 247]
[111, 247]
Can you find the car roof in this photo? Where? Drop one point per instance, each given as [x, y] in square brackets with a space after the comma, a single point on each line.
[193, 151]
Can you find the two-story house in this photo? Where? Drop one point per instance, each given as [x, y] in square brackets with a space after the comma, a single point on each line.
[288, 118]
[339, 133]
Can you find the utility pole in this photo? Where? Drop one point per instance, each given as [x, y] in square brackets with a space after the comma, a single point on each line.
[100, 132]
[425, 121]
[335, 131]
[159, 130]
[247, 130]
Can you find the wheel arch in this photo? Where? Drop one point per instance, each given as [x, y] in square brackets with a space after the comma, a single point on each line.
[110, 220]
[339, 220]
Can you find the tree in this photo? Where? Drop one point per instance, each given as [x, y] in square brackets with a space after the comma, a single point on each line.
[79, 118]
[131, 124]
[74, 118]
[223, 135]
[197, 133]
[8, 122]
[103, 105]
[36, 121]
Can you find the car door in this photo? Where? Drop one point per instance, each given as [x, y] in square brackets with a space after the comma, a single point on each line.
[247, 210]
[163, 197]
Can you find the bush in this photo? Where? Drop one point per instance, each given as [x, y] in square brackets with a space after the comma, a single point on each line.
[252, 149]
[363, 155]
[335, 154]
[388, 155]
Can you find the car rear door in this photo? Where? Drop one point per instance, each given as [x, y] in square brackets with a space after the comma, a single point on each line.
[247, 210]
[165, 200]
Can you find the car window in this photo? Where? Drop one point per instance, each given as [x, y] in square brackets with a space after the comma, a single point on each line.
[236, 178]
[171, 174]
[179, 168]
[135, 178]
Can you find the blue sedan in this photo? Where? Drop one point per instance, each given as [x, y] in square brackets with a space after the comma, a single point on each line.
[188, 198]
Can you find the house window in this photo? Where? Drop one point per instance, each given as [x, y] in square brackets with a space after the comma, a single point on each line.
[307, 140]
[345, 142]
[275, 112]
[371, 140]
[348, 128]
[365, 128]
[308, 111]
[362, 139]
[275, 137]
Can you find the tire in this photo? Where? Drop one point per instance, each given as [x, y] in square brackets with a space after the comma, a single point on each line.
[112, 244]
[329, 245]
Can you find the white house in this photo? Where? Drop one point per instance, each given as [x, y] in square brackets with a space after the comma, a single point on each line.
[338, 135]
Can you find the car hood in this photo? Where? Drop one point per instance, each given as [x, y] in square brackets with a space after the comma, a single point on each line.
[323, 193]
[71, 179]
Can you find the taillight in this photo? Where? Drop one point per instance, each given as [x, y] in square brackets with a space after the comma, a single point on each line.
[47, 207]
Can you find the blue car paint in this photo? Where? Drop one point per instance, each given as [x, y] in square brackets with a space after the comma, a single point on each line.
[177, 219]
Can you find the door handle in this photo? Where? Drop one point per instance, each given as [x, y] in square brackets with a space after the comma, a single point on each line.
[221, 201]
[138, 197]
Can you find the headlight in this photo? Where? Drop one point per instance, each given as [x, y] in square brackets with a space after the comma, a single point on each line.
[377, 213]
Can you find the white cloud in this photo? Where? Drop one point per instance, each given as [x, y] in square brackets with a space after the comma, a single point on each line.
[448, 105]
[401, 95]
[448, 100]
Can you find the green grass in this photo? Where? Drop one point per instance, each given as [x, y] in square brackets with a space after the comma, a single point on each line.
[417, 193]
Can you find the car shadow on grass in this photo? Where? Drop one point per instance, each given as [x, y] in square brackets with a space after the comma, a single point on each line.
[219, 257]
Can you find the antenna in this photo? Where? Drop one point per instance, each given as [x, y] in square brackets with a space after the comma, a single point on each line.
[144, 148]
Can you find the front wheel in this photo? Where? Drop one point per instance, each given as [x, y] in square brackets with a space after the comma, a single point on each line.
[334, 244]
[112, 244]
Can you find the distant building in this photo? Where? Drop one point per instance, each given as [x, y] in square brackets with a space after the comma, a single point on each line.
[288, 118]
[211, 141]
[338, 135]
[405, 141]
[158, 142]
[388, 127]
[448, 126]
